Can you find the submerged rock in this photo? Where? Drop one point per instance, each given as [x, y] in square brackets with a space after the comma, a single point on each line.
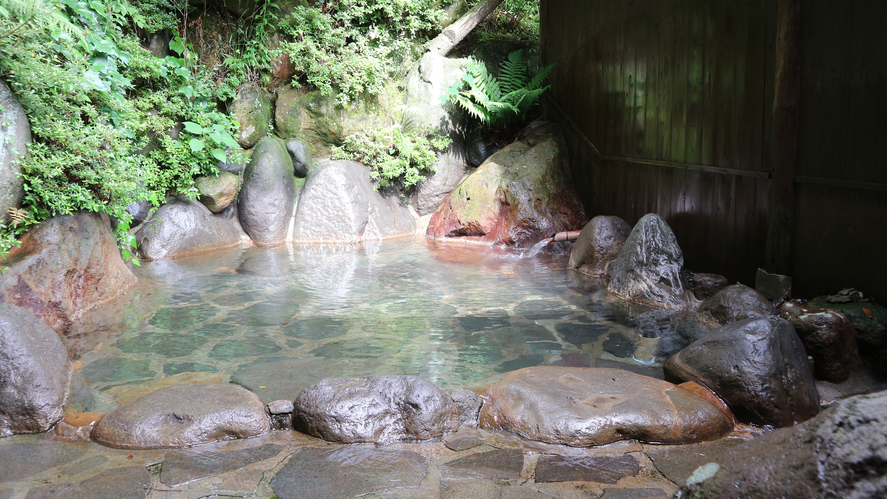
[732, 304]
[757, 366]
[182, 416]
[598, 244]
[265, 204]
[34, 373]
[519, 196]
[839, 453]
[828, 337]
[595, 406]
[186, 227]
[15, 133]
[374, 409]
[339, 205]
[64, 267]
[648, 268]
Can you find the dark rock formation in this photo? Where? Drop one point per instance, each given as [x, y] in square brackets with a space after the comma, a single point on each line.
[374, 409]
[186, 227]
[301, 156]
[706, 285]
[598, 244]
[758, 366]
[520, 196]
[338, 204]
[648, 269]
[595, 406]
[265, 204]
[63, 267]
[252, 109]
[828, 337]
[34, 373]
[182, 416]
[728, 305]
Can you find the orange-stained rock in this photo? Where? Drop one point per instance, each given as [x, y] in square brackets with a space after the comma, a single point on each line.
[63, 267]
[78, 419]
[596, 406]
[711, 396]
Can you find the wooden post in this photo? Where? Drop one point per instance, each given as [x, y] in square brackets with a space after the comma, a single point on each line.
[456, 32]
[786, 104]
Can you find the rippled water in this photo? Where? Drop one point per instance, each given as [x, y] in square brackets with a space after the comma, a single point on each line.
[278, 319]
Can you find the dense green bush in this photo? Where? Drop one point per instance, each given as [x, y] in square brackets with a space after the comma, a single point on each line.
[105, 114]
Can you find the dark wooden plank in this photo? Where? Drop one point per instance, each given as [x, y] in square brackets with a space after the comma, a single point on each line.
[864, 92]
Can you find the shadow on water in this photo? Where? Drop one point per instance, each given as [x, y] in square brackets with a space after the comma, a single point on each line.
[278, 319]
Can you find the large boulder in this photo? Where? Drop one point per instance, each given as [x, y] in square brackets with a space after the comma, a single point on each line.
[828, 337]
[339, 204]
[648, 268]
[596, 406]
[15, 133]
[182, 416]
[217, 192]
[868, 318]
[758, 366]
[732, 303]
[598, 244]
[185, 227]
[449, 170]
[252, 109]
[374, 409]
[519, 196]
[839, 453]
[64, 267]
[34, 373]
[265, 204]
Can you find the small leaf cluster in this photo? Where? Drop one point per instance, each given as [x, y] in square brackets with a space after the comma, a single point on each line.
[399, 154]
[503, 100]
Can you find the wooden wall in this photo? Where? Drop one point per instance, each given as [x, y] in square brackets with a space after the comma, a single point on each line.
[668, 107]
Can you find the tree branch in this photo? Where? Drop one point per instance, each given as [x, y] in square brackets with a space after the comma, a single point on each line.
[456, 32]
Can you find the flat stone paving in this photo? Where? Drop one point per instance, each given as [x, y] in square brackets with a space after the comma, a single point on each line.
[474, 464]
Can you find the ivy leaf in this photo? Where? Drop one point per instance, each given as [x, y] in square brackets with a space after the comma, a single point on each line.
[196, 145]
[219, 154]
[177, 46]
[194, 128]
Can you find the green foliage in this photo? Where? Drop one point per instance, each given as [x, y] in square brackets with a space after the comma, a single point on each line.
[512, 20]
[104, 113]
[499, 101]
[350, 48]
[249, 55]
[399, 154]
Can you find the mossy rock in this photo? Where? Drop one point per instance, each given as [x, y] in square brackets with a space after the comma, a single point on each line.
[252, 109]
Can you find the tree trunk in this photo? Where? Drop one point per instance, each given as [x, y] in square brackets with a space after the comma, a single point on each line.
[456, 32]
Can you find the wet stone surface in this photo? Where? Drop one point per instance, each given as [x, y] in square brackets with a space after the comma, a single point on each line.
[182, 467]
[493, 465]
[585, 469]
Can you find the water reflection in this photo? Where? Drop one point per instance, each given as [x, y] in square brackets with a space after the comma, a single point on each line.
[278, 319]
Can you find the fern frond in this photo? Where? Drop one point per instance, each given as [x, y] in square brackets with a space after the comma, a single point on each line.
[17, 215]
[539, 78]
[473, 109]
[513, 71]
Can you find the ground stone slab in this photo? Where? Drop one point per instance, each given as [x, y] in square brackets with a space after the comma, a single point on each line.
[595, 406]
[349, 471]
[374, 409]
[20, 461]
[34, 373]
[586, 469]
[499, 464]
[131, 482]
[636, 493]
[182, 416]
[184, 467]
[757, 366]
[648, 268]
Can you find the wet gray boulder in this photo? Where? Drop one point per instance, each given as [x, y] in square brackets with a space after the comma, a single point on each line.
[218, 192]
[15, 133]
[828, 337]
[183, 416]
[338, 205]
[35, 373]
[595, 406]
[140, 212]
[374, 409]
[252, 109]
[186, 227]
[733, 303]
[65, 266]
[449, 170]
[757, 366]
[683, 333]
[300, 153]
[705, 285]
[839, 453]
[648, 268]
[265, 204]
[598, 244]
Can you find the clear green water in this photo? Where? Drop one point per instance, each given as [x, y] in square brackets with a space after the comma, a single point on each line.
[276, 320]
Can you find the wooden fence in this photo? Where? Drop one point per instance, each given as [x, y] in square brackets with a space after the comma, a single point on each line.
[755, 128]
